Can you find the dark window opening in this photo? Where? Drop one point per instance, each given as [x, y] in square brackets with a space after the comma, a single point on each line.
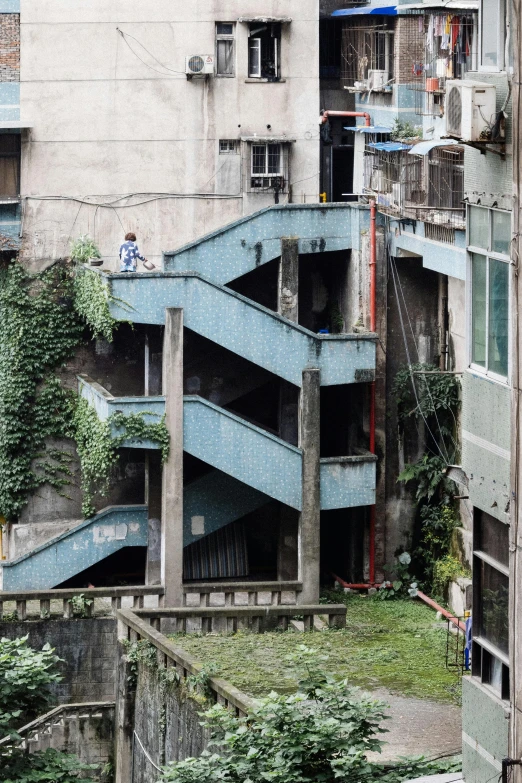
[330, 48]
[264, 51]
[10, 147]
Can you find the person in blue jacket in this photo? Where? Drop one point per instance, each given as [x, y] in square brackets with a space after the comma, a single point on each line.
[129, 253]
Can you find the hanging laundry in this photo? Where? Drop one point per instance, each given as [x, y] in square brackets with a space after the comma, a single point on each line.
[455, 30]
[429, 35]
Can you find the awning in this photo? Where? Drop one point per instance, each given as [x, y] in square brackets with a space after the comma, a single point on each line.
[423, 147]
[380, 10]
[266, 19]
[390, 146]
[268, 139]
[367, 129]
[14, 125]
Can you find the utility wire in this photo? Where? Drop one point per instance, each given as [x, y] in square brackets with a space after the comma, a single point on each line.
[124, 36]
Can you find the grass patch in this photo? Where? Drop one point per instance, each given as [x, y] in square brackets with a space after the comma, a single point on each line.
[386, 644]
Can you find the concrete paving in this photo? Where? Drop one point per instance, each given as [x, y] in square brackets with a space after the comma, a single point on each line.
[419, 727]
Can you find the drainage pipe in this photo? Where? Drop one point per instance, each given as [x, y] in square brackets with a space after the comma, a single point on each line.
[326, 114]
[444, 612]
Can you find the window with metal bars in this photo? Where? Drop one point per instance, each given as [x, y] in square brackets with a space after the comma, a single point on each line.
[367, 54]
[269, 165]
[448, 51]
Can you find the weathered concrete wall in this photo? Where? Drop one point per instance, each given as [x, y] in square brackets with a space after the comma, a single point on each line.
[166, 723]
[88, 649]
[420, 288]
[485, 732]
[486, 443]
[106, 124]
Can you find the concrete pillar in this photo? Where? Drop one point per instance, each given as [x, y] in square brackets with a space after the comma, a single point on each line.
[287, 547]
[309, 522]
[287, 293]
[172, 489]
[124, 716]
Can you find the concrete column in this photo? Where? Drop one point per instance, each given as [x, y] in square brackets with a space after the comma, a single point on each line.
[287, 294]
[124, 716]
[287, 547]
[172, 489]
[309, 522]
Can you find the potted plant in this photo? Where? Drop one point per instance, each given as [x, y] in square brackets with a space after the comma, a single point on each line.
[84, 250]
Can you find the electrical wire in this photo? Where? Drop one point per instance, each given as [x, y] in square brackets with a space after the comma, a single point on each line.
[147, 756]
[128, 35]
[123, 35]
[410, 368]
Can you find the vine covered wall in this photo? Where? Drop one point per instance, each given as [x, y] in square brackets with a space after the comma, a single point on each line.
[44, 319]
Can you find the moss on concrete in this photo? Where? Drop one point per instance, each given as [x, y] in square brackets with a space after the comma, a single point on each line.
[386, 644]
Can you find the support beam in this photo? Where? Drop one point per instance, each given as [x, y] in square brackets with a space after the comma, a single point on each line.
[172, 491]
[287, 293]
[309, 523]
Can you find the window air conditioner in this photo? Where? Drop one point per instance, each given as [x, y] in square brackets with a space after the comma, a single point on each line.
[470, 109]
[199, 64]
[377, 79]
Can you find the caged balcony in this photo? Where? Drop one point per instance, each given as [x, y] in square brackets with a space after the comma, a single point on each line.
[421, 181]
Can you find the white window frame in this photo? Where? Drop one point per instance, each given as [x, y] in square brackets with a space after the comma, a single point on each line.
[474, 249]
[256, 42]
[228, 147]
[501, 38]
[254, 74]
[266, 145]
[232, 39]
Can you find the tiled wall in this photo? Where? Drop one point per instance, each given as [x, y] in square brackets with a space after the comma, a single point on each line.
[9, 47]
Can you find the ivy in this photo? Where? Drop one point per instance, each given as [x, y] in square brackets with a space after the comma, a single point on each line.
[39, 332]
[425, 394]
[98, 447]
[96, 451]
[91, 301]
[25, 677]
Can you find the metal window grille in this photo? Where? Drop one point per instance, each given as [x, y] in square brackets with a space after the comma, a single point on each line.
[442, 46]
[269, 167]
[421, 187]
[228, 146]
[367, 54]
[225, 48]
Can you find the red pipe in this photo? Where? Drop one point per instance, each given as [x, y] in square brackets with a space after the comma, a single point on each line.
[444, 612]
[350, 585]
[373, 328]
[326, 114]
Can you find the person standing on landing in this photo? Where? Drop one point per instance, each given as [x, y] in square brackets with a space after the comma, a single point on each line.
[129, 253]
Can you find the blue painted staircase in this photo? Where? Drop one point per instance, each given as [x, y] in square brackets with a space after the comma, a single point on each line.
[250, 466]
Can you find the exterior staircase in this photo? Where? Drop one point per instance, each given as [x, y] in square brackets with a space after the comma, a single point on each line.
[249, 466]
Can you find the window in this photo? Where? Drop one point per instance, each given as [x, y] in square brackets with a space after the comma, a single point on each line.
[269, 167]
[264, 51]
[367, 51]
[228, 147]
[491, 602]
[9, 165]
[225, 49]
[489, 236]
[493, 34]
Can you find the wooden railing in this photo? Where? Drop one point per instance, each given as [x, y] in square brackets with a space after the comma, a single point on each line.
[241, 593]
[49, 603]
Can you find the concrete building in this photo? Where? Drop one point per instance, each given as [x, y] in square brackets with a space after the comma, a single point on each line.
[115, 137]
[252, 335]
[425, 74]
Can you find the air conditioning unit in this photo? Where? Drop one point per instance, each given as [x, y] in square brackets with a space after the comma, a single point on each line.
[199, 65]
[377, 79]
[470, 109]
